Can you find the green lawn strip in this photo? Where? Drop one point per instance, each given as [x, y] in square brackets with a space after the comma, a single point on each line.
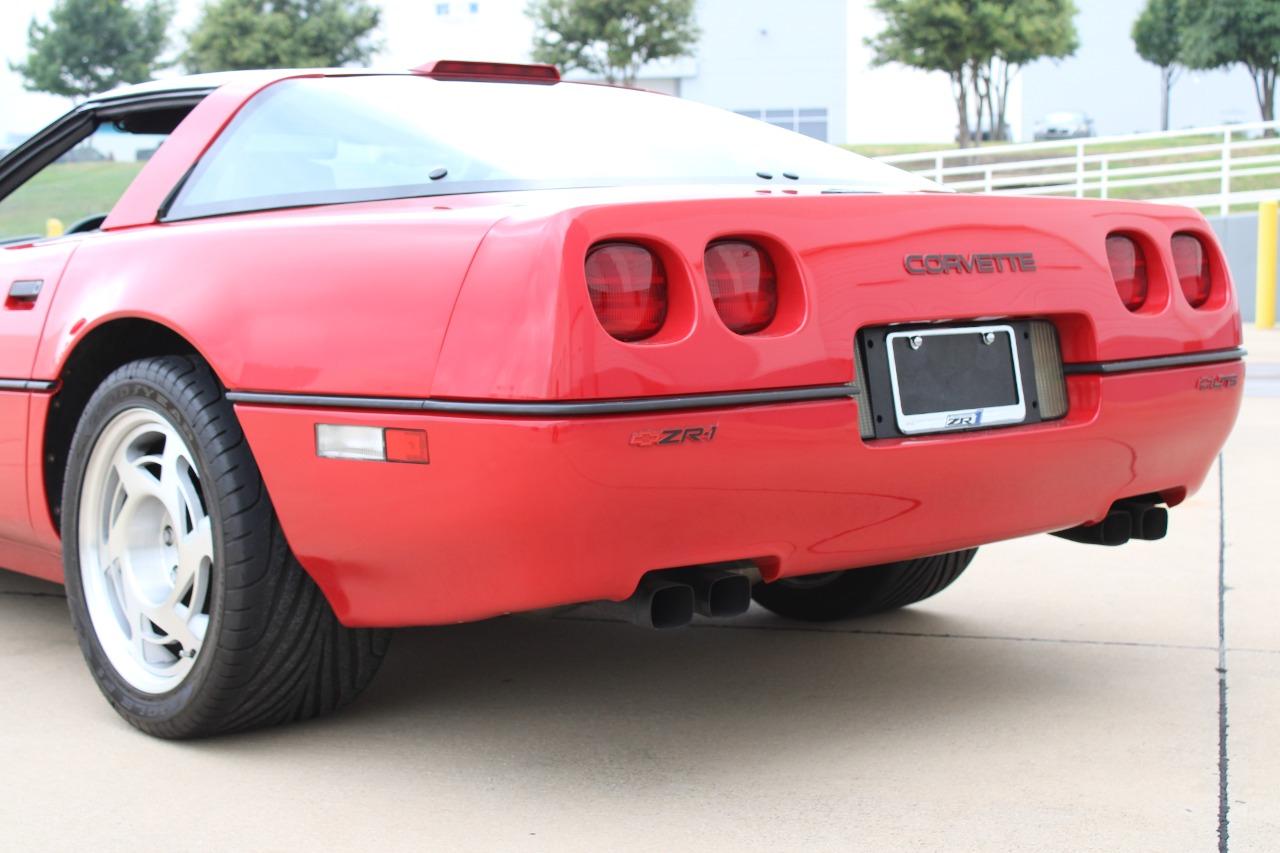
[985, 155]
[65, 191]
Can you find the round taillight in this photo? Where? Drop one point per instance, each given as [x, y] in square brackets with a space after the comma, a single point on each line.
[1129, 269]
[628, 288]
[1191, 262]
[744, 285]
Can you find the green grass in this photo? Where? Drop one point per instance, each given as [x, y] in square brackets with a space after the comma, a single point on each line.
[990, 151]
[67, 192]
[70, 191]
[889, 149]
[978, 157]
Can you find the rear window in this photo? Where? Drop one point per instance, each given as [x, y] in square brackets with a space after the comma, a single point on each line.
[343, 139]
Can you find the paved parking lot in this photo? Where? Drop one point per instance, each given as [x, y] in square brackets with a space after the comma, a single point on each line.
[1058, 697]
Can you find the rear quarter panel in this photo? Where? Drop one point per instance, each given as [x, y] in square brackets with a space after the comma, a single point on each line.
[349, 300]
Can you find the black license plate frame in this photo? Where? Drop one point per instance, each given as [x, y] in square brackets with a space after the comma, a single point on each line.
[880, 349]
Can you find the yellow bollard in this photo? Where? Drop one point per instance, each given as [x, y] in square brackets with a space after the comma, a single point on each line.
[53, 227]
[1265, 307]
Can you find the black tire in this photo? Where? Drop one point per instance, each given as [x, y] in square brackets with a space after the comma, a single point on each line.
[861, 592]
[273, 650]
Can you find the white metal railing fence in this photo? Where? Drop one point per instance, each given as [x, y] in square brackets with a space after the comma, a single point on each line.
[1209, 167]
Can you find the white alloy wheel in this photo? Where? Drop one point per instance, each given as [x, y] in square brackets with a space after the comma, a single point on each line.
[146, 550]
[193, 614]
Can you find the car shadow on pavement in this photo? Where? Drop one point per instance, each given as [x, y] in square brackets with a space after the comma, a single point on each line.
[552, 690]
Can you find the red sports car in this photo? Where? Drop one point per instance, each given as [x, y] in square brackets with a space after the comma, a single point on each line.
[288, 359]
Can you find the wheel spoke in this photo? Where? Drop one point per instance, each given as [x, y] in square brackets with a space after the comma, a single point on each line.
[200, 626]
[172, 492]
[147, 549]
[195, 552]
[136, 480]
[173, 622]
[132, 608]
[117, 542]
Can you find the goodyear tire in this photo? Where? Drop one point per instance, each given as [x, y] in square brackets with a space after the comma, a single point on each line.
[861, 592]
[193, 615]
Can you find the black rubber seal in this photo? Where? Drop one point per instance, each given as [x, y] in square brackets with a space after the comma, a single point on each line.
[556, 408]
[1129, 365]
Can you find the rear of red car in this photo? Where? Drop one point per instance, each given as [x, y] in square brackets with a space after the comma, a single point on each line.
[451, 345]
[802, 382]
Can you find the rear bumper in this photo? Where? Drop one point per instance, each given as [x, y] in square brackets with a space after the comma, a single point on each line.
[520, 513]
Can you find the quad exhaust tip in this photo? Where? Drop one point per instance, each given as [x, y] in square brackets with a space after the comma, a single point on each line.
[720, 594]
[1132, 518]
[669, 599]
[661, 604]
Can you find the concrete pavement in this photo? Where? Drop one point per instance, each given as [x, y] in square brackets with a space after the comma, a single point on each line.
[1058, 697]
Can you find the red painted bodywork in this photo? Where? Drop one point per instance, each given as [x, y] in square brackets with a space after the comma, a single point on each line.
[483, 297]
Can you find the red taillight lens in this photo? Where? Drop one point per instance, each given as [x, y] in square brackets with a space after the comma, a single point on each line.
[1129, 269]
[744, 285]
[628, 288]
[1191, 262]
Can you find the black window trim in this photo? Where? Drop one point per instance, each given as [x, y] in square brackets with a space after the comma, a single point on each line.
[22, 163]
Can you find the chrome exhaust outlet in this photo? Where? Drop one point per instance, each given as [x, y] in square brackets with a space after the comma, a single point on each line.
[720, 594]
[1115, 529]
[660, 603]
[1131, 518]
[1150, 522]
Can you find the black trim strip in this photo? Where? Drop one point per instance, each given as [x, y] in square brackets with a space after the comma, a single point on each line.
[26, 385]
[553, 408]
[53, 141]
[1128, 365]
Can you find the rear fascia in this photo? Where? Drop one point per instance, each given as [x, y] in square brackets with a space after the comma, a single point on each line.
[523, 328]
[515, 514]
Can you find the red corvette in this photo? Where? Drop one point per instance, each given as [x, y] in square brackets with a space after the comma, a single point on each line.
[291, 358]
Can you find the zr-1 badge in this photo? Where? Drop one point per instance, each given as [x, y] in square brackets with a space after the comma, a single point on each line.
[1213, 383]
[680, 435]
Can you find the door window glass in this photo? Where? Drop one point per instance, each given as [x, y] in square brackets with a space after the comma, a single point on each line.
[78, 190]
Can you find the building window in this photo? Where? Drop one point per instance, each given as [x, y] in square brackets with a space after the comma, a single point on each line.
[811, 121]
[442, 8]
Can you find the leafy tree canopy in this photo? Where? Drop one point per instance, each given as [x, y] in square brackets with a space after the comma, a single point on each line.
[239, 34]
[980, 44]
[1223, 32]
[1027, 30]
[932, 35]
[612, 39]
[1217, 33]
[1157, 33]
[90, 46]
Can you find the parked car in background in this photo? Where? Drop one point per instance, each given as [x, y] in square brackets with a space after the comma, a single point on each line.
[355, 351]
[1064, 126]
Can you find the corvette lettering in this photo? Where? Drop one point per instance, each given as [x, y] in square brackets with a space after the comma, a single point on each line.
[992, 262]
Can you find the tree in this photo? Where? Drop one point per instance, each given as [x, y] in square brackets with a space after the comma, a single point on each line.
[1217, 33]
[932, 35]
[1019, 32]
[611, 39]
[90, 46]
[236, 34]
[1157, 35]
[979, 44]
